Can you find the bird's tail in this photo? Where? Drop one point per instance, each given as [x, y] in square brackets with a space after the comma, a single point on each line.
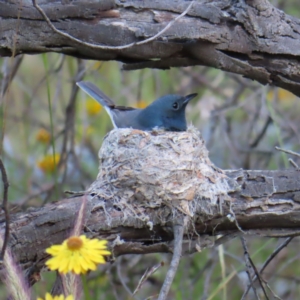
[96, 93]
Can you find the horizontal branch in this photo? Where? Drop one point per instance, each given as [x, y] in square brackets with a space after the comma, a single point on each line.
[251, 38]
[263, 203]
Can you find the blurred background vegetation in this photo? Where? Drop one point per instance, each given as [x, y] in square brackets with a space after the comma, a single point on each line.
[43, 116]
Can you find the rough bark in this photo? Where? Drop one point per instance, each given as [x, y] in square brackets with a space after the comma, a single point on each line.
[251, 38]
[264, 203]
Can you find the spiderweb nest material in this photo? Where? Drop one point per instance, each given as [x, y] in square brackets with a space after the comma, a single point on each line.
[155, 169]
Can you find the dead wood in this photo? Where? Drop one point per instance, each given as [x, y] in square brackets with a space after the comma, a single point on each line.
[251, 38]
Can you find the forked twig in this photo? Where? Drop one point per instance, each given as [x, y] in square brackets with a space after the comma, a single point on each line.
[269, 259]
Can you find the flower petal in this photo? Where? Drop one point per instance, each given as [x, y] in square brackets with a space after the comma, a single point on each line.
[80, 259]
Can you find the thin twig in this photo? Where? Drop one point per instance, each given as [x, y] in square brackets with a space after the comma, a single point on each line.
[287, 151]
[258, 277]
[284, 244]
[67, 148]
[235, 220]
[294, 164]
[122, 280]
[69, 135]
[248, 266]
[103, 47]
[208, 274]
[112, 283]
[5, 208]
[257, 274]
[9, 72]
[81, 217]
[146, 275]
[262, 133]
[178, 238]
[274, 294]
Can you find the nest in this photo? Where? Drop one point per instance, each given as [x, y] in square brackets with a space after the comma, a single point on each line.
[157, 168]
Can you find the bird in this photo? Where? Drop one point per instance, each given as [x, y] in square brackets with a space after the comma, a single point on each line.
[166, 113]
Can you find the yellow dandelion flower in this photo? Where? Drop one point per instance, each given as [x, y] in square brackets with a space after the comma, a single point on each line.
[77, 254]
[60, 297]
[43, 136]
[49, 162]
[141, 104]
[92, 107]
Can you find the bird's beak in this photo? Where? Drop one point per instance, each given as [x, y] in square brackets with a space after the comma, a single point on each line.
[189, 97]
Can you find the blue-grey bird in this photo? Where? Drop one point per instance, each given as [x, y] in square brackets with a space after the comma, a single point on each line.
[167, 112]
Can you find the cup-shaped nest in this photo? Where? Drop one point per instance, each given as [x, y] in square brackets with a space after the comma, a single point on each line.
[158, 168]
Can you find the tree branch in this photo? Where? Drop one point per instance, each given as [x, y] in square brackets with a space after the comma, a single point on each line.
[266, 203]
[234, 36]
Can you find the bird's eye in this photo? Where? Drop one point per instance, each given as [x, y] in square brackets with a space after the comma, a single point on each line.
[175, 105]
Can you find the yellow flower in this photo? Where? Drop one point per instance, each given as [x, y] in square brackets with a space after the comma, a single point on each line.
[61, 297]
[43, 136]
[77, 254]
[141, 104]
[49, 162]
[92, 107]
[97, 65]
[283, 95]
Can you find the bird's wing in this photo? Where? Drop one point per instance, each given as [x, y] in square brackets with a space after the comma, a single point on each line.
[124, 108]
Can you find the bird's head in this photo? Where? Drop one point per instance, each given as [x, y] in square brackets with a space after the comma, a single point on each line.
[171, 110]
[173, 104]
